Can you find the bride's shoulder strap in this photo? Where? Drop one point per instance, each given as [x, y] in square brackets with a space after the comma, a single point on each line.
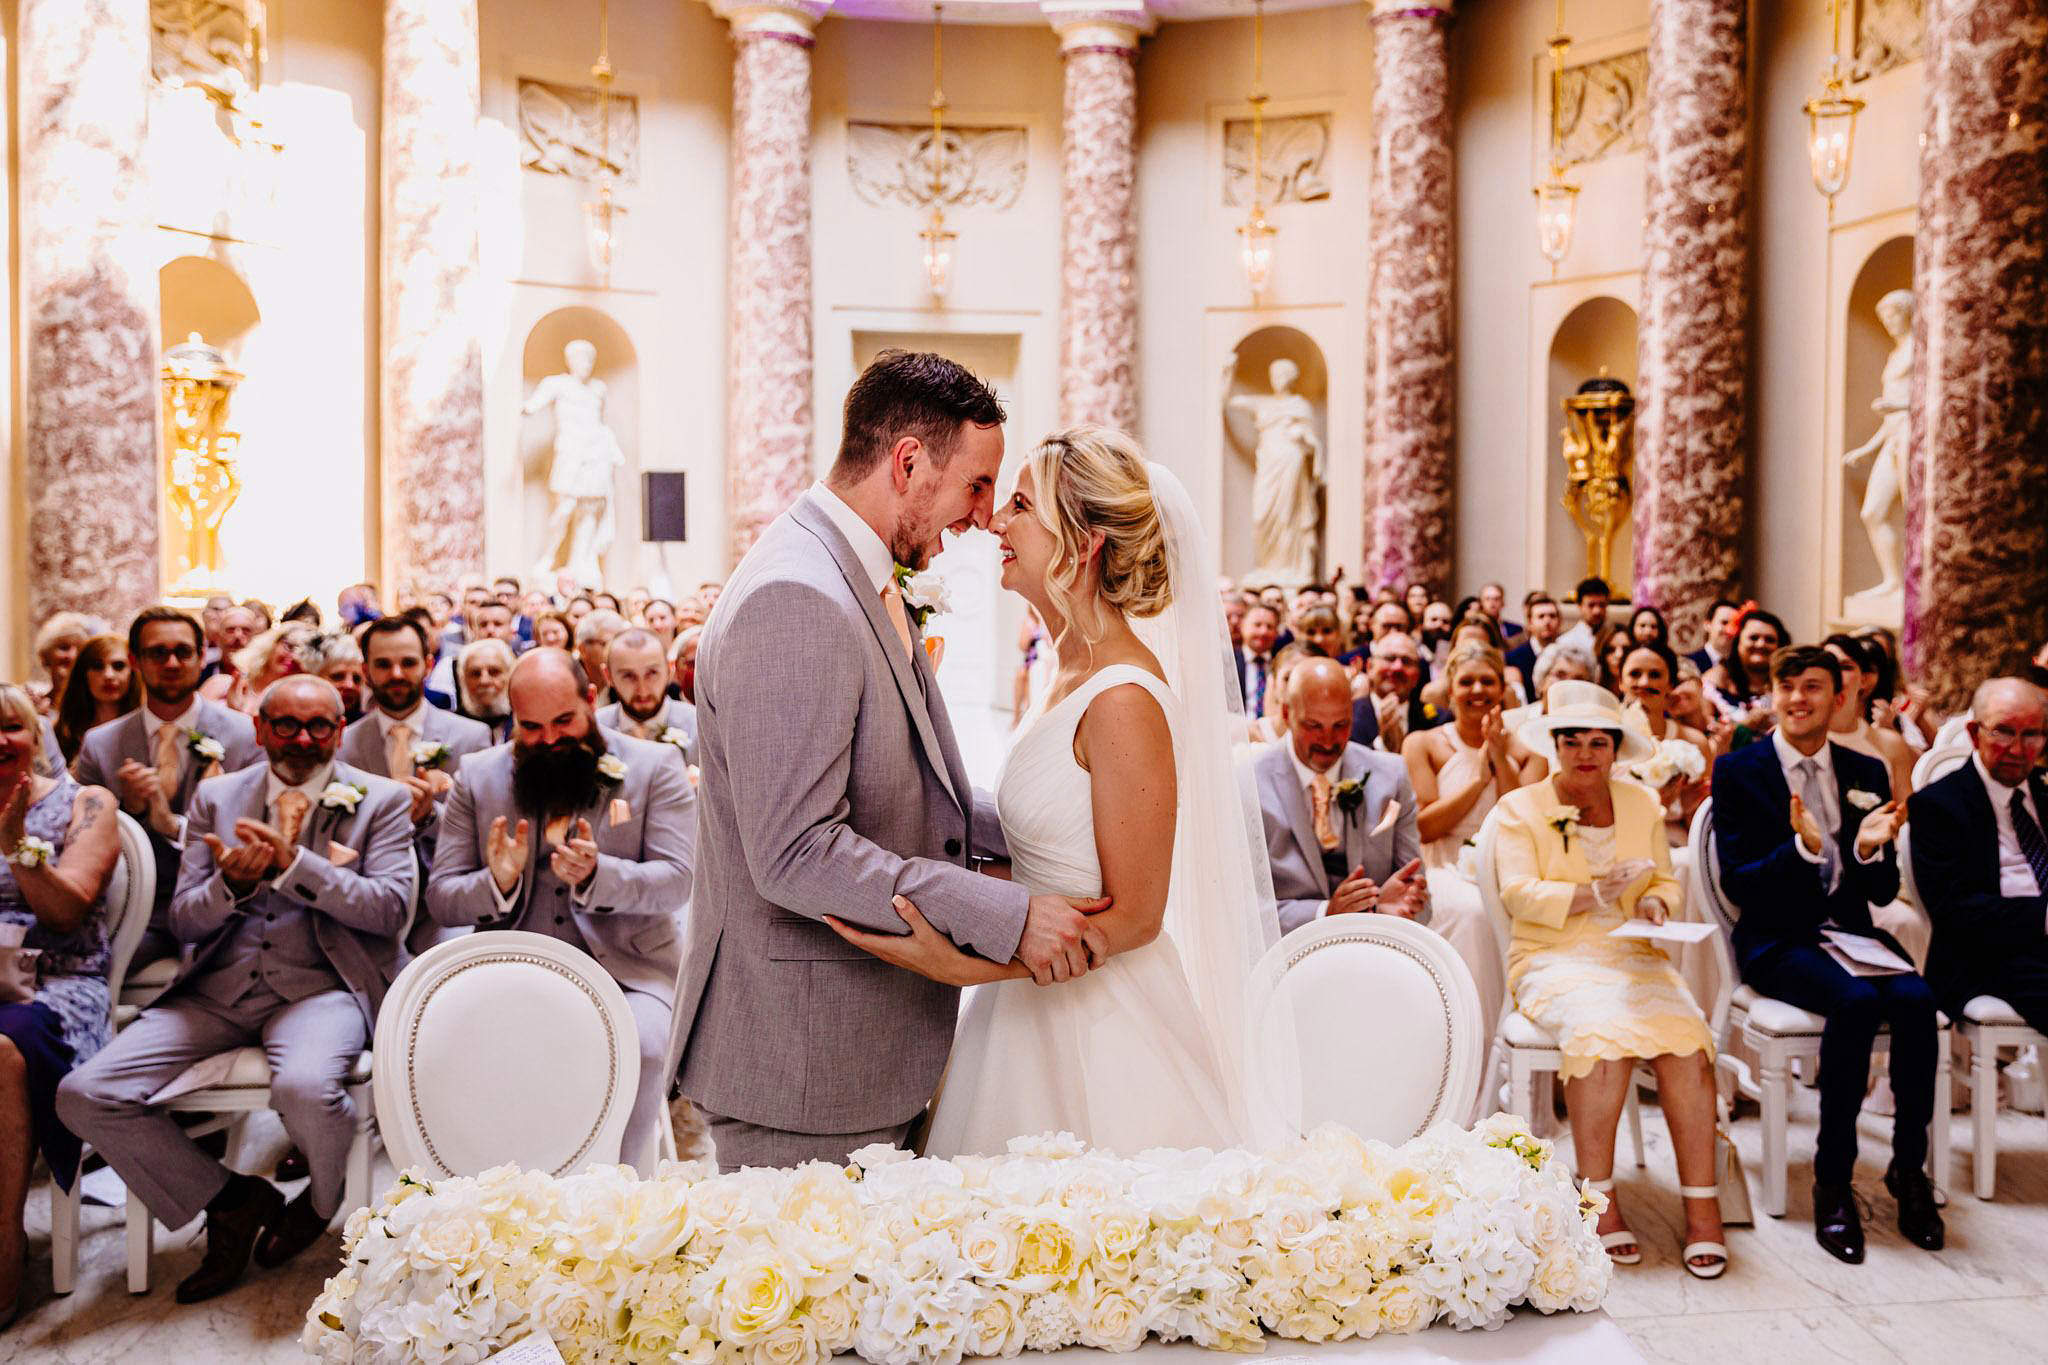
[1117, 674]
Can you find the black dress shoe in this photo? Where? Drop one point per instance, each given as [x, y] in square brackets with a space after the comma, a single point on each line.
[234, 1221]
[1919, 1217]
[292, 1166]
[1836, 1224]
[290, 1233]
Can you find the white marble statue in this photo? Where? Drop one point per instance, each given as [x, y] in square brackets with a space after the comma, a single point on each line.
[1287, 480]
[587, 455]
[1883, 493]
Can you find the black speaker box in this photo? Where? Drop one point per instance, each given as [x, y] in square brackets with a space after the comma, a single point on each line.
[661, 506]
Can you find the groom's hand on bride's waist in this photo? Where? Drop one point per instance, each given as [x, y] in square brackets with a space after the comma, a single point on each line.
[1059, 943]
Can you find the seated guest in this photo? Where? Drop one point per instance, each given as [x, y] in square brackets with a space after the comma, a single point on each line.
[154, 756]
[1270, 726]
[1493, 600]
[1476, 629]
[1610, 645]
[659, 616]
[682, 663]
[551, 630]
[1392, 707]
[484, 668]
[1740, 685]
[488, 619]
[1719, 642]
[1980, 859]
[1260, 641]
[547, 835]
[638, 669]
[57, 644]
[1458, 771]
[1592, 596]
[1578, 856]
[1646, 625]
[1862, 662]
[1321, 633]
[296, 882]
[1804, 831]
[279, 652]
[1323, 798]
[594, 634]
[102, 688]
[59, 844]
[1434, 639]
[1546, 623]
[337, 657]
[1646, 673]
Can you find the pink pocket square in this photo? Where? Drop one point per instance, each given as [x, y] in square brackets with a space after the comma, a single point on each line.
[1387, 819]
[621, 812]
[340, 854]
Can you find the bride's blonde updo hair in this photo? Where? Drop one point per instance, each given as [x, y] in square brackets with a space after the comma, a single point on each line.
[1092, 479]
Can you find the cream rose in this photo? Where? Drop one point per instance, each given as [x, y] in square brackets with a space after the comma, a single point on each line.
[758, 1295]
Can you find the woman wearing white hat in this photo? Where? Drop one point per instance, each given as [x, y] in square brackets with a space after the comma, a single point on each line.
[1578, 856]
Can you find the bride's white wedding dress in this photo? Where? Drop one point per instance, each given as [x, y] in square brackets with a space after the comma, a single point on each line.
[1121, 1058]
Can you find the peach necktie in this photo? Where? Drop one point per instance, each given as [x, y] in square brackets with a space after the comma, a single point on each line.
[892, 602]
[291, 814]
[398, 751]
[1319, 794]
[168, 767]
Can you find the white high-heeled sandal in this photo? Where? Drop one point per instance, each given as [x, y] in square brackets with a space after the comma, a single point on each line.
[1620, 1237]
[1692, 1249]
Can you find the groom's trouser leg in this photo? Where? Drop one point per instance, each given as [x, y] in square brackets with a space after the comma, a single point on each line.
[643, 1122]
[738, 1143]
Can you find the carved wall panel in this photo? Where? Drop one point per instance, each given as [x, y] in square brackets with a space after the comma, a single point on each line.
[891, 164]
[1291, 162]
[562, 131]
[1889, 33]
[216, 45]
[1600, 109]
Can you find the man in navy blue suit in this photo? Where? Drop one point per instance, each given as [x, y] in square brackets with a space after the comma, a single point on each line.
[1804, 832]
[1980, 859]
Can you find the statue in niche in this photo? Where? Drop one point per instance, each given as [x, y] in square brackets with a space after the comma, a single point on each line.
[1287, 479]
[581, 523]
[1599, 465]
[1883, 491]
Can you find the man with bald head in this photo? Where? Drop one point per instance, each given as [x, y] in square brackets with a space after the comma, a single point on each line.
[1980, 859]
[293, 893]
[637, 665]
[587, 836]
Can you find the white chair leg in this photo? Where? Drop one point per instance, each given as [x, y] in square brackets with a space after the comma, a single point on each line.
[1984, 1120]
[64, 1234]
[1941, 1139]
[356, 1183]
[141, 1244]
[1773, 1081]
[1521, 1096]
[1635, 1121]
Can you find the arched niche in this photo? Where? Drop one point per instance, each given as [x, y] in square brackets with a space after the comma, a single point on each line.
[1599, 334]
[1251, 374]
[1865, 348]
[199, 294]
[618, 365]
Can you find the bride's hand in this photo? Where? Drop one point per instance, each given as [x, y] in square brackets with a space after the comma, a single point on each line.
[923, 950]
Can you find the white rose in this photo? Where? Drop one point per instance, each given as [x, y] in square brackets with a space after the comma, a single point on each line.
[834, 1318]
[1112, 1320]
[997, 1326]
[793, 1343]
[759, 1294]
[1403, 1306]
[989, 1246]
[876, 1155]
[927, 590]
[1119, 1234]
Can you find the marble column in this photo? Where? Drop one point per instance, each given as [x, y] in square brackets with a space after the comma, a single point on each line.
[92, 463]
[1098, 212]
[1977, 505]
[433, 373]
[768, 422]
[1409, 344]
[1693, 346]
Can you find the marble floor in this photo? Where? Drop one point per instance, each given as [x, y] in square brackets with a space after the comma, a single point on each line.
[1783, 1301]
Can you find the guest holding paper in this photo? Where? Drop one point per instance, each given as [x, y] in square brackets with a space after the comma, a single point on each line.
[1804, 831]
[1578, 857]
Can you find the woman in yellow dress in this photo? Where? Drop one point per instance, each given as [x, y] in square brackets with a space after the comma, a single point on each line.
[1577, 857]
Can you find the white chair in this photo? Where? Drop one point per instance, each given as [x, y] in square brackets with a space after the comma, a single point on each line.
[1936, 764]
[1377, 1017]
[131, 891]
[1781, 1033]
[501, 1047]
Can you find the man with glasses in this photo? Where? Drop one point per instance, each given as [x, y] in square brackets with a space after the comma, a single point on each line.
[294, 891]
[1980, 859]
[155, 755]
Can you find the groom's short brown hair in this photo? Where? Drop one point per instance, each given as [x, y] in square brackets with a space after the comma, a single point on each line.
[910, 393]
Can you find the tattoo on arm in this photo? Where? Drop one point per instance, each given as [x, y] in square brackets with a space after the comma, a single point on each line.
[90, 808]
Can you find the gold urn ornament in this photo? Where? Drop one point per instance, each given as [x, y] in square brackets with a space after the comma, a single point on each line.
[1599, 465]
[201, 483]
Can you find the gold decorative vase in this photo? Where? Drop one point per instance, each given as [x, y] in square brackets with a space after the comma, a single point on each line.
[201, 482]
[1599, 464]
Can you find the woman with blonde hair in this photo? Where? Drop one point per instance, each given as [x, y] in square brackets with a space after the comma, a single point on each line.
[58, 641]
[104, 687]
[1120, 785]
[277, 653]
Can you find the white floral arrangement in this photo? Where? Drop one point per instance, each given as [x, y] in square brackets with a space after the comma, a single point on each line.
[1674, 758]
[33, 852]
[918, 1261]
[205, 746]
[611, 768]
[343, 796]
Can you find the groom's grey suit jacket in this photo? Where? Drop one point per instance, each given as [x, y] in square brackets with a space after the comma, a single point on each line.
[831, 782]
[1300, 883]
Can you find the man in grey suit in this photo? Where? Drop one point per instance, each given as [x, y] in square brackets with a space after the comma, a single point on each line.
[584, 836]
[154, 756]
[638, 668]
[295, 927]
[831, 783]
[1324, 800]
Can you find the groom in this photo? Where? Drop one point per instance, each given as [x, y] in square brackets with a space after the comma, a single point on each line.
[831, 783]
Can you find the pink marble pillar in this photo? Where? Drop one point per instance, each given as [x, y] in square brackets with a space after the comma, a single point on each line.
[433, 377]
[92, 464]
[1098, 214]
[1409, 380]
[1693, 348]
[768, 424]
[1977, 504]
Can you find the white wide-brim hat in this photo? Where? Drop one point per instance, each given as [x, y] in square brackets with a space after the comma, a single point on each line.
[1578, 705]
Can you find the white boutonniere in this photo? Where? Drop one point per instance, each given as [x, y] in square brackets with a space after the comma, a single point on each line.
[677, 737]
[429, 753]
[924, 592]
[1564, 821]
[205, 746]
[611, 768]
[1861, 799]
[343, 796]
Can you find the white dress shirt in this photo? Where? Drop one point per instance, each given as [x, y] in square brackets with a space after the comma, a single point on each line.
[875, 557]
[2015, 877]
[411, 719]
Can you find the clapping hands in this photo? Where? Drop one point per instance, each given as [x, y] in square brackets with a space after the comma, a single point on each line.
[1879, 828]
[262, 853]
[574, 860]
[507, 854]
[1610, 886]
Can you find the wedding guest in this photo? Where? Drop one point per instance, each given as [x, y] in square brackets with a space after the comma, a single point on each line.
[1324, 800]
[1851, 726]
[608, 601]
[154, 756]
[1476, 628]
[1561, 661]
[1270, 726]
[257, 609]
[1416, 599]
[209, 622]
[57, 646]
[1320, 633]
[1646, 625]
[1493, 600]
[1593, 597]
[594, 635]
[682, 663]
[1234, 606]
[585, 836]
[294, 889]
[273, 654]
[577, 608]
[1719, 642]
[1646, 673]
[59, 844]
[659, 616]
[551, 630]
[101, 689]
[1392, 707]
[1434, 639]
[1980, 859]
[337, 657]
[1740, 686]
[1390, 618]
[1610, 1002]
[1610, 643]
[1910, 706]
[1804, 832]
[638, 668]
[489, 619]
[633, 606]
[1259, 640]
[483, 670]
[1546, 623]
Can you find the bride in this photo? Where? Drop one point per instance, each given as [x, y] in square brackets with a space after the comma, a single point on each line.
[1120, 784]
